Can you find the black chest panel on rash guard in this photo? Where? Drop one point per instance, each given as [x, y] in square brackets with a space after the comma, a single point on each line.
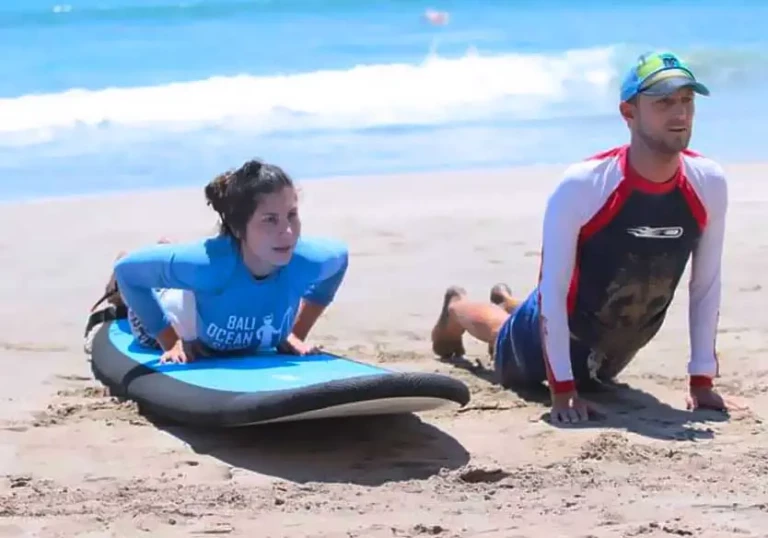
[628, 270]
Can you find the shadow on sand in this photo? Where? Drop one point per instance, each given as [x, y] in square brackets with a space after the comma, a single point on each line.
[625, 407]
[361, 450]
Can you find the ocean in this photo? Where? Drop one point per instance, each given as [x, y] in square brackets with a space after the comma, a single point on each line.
[112, 95]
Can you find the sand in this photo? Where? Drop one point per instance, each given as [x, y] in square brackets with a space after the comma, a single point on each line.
[75, 462]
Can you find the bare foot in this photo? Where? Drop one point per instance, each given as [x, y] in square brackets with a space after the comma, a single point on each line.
[501, 296]
[447, 333]
[111, 294]
[110, 289]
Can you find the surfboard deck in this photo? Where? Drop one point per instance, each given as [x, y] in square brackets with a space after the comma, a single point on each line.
[264, 388]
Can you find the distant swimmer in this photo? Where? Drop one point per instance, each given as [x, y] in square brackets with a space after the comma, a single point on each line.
[436, 18]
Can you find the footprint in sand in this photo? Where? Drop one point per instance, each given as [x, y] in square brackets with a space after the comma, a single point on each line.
[756, 287]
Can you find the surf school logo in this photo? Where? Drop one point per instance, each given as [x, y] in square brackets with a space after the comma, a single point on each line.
[241, 332]
[268, 335]
[664, 232]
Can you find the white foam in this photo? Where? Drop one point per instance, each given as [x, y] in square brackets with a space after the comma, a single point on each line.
[434, 91]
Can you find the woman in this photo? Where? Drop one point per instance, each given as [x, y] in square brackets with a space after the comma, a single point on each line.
[257, 285]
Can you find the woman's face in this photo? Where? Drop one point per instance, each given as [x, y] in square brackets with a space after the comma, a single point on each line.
[272, 231]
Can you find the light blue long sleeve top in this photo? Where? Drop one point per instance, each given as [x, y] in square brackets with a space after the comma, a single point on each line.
[235, 310]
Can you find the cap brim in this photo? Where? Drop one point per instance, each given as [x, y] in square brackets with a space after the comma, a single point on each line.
[670, 85]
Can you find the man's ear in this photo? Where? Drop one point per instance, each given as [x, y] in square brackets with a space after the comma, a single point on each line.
[627, 110]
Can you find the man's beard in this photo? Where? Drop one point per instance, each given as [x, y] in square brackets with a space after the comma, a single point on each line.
[665, 147]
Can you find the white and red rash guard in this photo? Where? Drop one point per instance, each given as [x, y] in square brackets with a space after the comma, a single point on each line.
[615, 247]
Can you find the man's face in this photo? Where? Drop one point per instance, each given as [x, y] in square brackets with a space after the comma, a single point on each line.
[663, 123]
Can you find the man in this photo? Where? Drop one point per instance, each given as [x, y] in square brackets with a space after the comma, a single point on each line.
[618, 232]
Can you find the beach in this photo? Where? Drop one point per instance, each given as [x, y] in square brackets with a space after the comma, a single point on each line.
[76, 462]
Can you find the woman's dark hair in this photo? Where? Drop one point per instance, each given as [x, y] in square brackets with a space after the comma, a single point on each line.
[235, 194]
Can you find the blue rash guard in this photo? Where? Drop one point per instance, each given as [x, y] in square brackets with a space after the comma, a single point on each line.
[233, 310]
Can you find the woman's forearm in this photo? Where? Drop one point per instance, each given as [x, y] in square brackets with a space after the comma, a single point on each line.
[167, 338]
[308, 315]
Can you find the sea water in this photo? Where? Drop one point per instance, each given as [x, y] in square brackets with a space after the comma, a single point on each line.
[105, 95]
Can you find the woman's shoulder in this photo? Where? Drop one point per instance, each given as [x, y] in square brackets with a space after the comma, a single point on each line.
[319, 251]
[208, 262]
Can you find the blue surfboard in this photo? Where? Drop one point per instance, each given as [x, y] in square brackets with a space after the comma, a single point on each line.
[257, 389]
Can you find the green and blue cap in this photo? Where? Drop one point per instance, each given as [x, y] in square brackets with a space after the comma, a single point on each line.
[659, 74]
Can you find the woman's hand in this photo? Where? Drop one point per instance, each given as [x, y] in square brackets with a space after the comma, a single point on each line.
[180, 353]
[293, 346]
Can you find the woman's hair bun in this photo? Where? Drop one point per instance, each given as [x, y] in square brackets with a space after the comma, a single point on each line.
[216, 191]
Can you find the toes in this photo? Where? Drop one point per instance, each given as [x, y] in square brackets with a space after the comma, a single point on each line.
[453, 293]
[500, 293]
[446, 336]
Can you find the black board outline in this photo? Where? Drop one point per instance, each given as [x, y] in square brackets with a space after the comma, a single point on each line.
[170, 398]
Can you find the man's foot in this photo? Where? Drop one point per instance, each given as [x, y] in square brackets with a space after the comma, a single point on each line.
[501, 296]
[446, 334]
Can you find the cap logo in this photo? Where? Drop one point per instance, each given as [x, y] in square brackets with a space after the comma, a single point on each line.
[670, 62]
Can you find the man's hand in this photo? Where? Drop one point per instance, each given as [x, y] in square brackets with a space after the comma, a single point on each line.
[708, 398]
[569, 408]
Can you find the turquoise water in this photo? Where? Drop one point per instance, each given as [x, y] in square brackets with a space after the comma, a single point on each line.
[99, 95]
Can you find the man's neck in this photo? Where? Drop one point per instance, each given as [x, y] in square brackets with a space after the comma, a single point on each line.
[651, 165]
